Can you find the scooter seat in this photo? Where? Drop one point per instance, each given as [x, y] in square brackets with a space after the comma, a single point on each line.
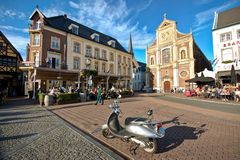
[128, 120]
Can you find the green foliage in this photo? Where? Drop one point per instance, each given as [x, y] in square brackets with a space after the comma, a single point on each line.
[30, 93]
[40, 95]
[229, 61]
[64, 97]
[126, 93]
[88, 72]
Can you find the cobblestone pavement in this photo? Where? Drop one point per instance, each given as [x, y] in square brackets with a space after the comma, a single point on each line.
[32, 132]
[197, 133]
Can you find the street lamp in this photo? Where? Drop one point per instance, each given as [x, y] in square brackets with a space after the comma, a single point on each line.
[108, 76]
[88, 63]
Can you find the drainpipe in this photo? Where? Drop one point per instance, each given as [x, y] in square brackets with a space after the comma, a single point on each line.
[34, 81]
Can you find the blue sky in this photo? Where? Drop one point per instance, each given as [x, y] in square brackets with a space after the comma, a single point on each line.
[118, 18]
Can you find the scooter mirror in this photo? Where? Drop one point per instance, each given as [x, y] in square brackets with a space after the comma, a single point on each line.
[150, 112]
[110, 106]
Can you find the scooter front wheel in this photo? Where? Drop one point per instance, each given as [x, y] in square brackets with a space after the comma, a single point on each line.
[107, 133]
[152, 146]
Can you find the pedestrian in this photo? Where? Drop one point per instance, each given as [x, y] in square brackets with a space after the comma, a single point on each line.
[103, 95]
[1, 97]
[99, 95]
[5, 93]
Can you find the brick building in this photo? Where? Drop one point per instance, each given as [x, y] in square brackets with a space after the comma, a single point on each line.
[61, 49]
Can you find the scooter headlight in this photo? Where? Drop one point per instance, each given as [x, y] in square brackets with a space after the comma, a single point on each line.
[111, 106]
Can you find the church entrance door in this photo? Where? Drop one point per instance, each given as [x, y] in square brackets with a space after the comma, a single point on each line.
[167, 86]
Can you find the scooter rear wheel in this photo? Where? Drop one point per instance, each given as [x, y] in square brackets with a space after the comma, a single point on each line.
[152, 146]
[107, 134]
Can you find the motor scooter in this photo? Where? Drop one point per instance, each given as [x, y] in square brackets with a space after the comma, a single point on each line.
[142, 131]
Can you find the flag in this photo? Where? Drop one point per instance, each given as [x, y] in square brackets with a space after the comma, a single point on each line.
[236, 59]
[214, 60]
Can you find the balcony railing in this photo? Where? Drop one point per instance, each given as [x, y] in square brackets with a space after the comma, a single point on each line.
[35, 27]
[96, 57]
[44, 65]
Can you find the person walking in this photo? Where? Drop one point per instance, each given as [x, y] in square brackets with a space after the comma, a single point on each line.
[99, 95]
[5, 93]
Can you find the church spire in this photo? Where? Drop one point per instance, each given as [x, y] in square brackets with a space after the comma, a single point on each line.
[130, 49]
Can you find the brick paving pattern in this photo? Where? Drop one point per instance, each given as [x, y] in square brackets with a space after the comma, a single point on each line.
[196, 134]
[32, 132]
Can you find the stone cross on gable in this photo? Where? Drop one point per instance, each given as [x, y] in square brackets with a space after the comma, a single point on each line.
[165, 15]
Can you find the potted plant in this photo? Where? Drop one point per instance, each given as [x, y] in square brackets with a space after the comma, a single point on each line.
[41, 98]
[30, 94]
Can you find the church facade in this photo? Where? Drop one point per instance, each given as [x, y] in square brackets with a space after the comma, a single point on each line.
[173, 57]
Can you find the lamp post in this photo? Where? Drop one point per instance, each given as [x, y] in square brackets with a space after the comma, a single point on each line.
[34, 85]
[88, 63]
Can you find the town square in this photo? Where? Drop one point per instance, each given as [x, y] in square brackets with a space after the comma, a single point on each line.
[104, 79]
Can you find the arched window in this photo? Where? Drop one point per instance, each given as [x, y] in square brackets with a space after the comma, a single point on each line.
[152, 61]
[183, 54]
[166, 56]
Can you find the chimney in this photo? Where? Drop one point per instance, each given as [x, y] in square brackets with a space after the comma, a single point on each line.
[65, 16]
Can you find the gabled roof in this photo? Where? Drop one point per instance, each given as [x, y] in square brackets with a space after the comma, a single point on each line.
[7, 41]
[227, 18]
[38, 11]
[62, 23]
[142, 66]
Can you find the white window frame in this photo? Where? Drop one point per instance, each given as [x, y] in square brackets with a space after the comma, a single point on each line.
[112, 43]
[152, 58]
[74, 29]
[225, 36]
[111, 56]
[104, 67]
[38, 25]
[88, 51]
[96, 53]
[97, 38]
[76, 47]
[54, 42]
[238, 34]
[36, 59]
[119, 59]
[36, 41]
[111, 68]
[76, 65]
[96, 66]
[124, 60]
[57, 56]
[227, 56]
[162, 55]
[104, 54]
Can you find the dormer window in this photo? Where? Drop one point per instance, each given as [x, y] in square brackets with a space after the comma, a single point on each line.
[95, 37]
[74, 28]
[112, 43]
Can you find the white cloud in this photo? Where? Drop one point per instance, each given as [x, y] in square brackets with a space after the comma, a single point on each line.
[113, 20]
[11, 13]
[206, 17]
[11, 28]
[50, 12]
[199, 28]
[201, 2]
[19, 42]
